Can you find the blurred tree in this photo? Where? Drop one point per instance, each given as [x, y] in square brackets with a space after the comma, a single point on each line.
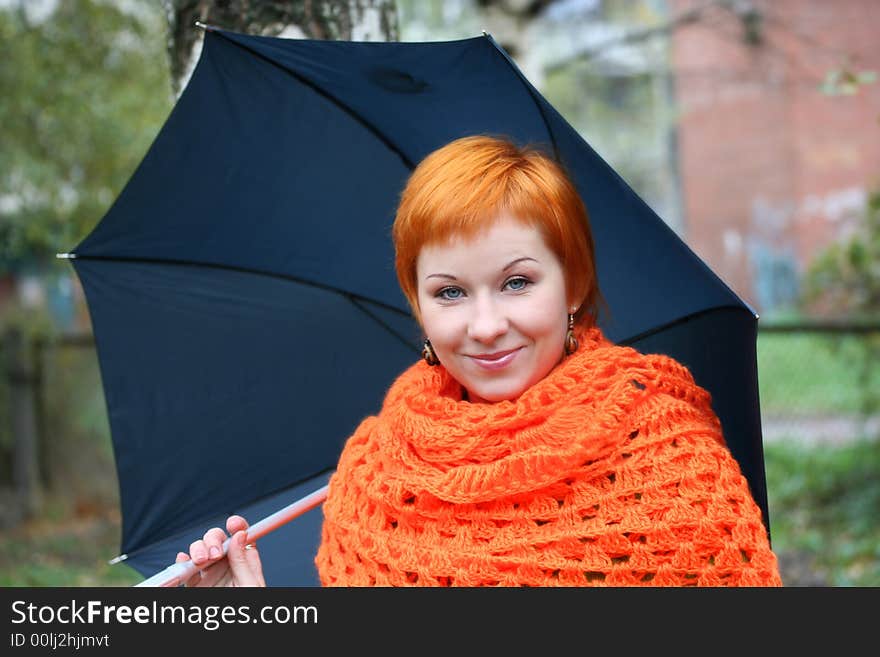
[844, 282]
[358, 20]
[845, 279]
[85, 88]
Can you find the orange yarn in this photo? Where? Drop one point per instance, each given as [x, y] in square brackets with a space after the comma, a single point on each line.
[611, 471]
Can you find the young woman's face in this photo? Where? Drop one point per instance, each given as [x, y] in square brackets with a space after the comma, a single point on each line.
[494, 308]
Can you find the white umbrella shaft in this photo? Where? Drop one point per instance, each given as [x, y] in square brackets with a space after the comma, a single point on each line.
[179, 572]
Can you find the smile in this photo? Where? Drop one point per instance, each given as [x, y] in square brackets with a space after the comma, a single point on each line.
[496, 361]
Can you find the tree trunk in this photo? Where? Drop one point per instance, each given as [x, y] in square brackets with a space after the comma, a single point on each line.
[25, 462]
[357, 20]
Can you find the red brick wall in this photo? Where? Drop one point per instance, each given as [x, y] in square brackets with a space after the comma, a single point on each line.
[771, 169]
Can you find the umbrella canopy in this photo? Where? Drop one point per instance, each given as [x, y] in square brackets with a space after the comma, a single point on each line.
[242, 289]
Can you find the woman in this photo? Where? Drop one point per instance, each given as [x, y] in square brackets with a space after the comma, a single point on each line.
[525, 449]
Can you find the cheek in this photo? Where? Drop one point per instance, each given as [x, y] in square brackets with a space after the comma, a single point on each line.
[548, 319]
[440, 327]
[549, 336]
[427, 311]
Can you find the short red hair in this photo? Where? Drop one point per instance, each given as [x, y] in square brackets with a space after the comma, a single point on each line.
[460, 188]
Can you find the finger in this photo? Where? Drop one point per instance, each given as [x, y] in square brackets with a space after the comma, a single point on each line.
[198, 552]
[191, 581]
[214, 538]
[236, 524]
[253, 558]
[217, 574]
[242, 566]
[180, 558]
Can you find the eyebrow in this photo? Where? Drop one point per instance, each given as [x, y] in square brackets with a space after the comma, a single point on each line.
[506, 267]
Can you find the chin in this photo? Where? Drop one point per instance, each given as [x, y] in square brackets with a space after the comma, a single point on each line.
[493, 395]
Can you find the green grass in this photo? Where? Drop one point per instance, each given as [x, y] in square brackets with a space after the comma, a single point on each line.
[65, 551]
[824, 500]
[813, 374]
[824, 505]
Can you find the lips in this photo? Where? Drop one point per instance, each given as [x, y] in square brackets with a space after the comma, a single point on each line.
[494, 356]
[496, 360]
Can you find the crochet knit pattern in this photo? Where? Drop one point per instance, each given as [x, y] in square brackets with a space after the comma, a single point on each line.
[611, 471]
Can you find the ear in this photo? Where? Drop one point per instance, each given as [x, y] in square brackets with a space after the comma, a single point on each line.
[574, 306]
[575, 297]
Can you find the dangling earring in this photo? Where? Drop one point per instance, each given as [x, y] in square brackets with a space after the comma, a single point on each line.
[571, 343]
[428, 354]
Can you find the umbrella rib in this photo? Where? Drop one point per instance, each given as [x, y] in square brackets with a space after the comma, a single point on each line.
[245, 270]
[359, 305]
[681, 320]
[531, 91]
[348, 110]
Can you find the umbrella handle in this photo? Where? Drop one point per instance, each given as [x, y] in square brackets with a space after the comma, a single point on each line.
[179, 572]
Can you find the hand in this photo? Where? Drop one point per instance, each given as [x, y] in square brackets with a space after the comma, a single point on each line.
[240, 567]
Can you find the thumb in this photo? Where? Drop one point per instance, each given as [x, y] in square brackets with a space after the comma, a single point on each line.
[246, 571]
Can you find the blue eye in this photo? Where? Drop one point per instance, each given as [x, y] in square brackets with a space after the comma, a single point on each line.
[450, 293]
[517, 284]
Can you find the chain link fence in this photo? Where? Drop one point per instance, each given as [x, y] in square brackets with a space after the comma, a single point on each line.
[819, 383]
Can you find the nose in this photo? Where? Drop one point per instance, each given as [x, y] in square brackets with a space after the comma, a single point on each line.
[487, 322]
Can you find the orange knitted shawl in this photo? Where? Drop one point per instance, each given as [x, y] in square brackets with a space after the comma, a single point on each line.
[611, 471]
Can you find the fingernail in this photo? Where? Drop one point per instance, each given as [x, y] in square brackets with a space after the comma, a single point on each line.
[215, 552]
[198, 555]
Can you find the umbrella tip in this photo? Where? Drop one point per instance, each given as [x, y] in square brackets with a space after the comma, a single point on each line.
[485, 33]
[68, 256]
[115, 560]
[204, 26]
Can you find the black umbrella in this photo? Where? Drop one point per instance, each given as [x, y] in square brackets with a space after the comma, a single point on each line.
[242, 291]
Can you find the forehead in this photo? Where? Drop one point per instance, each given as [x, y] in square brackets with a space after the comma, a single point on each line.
[502, 241]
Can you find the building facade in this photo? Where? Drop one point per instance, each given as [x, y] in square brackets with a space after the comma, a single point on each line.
[778, 135]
